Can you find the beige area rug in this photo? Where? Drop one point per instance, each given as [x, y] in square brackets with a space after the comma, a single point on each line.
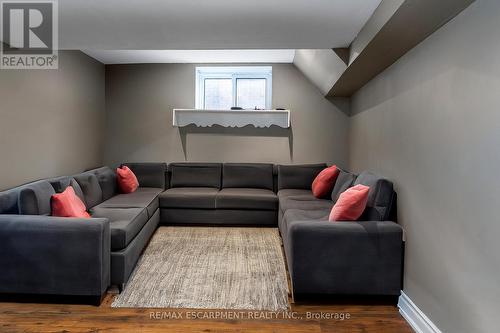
[209, 268]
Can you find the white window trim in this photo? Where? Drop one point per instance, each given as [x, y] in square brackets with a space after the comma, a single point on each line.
[234, 73]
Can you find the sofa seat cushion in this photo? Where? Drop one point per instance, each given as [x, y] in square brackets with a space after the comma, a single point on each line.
[306, 215]
[288, 193]
[189, 197]
[124, 223]
[247, 198]
[304, 203]
[293, 215]
[143, 197]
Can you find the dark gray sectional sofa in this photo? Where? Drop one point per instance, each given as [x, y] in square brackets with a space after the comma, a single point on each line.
[41, 254]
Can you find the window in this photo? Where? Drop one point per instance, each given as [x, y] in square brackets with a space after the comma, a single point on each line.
[218, 93]
[220, 88]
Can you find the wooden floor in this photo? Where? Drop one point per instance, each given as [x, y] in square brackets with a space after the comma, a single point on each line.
[31, 317]
[307, 315]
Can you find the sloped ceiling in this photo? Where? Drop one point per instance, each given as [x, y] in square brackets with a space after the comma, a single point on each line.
[395, 27]
[322, 67]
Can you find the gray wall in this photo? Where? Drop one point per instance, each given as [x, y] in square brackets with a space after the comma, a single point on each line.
[51, 121]
[431, 123]
[139, 103]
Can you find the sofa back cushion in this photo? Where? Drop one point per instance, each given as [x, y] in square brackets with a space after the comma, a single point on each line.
[76, 187]
[107, 181]
[247, 175]
[91, 189]
[298, 176]
[195, 175]
[60, 183]
[34, 199]
[8, 201]
[344, 181]
[149, 174]
[380, 196]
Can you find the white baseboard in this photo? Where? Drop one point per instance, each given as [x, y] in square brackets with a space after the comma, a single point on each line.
[415, 317]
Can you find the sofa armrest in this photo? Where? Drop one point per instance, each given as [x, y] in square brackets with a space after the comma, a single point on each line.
[150, 174]
[298, 176]
[345, 257]
[54, 256]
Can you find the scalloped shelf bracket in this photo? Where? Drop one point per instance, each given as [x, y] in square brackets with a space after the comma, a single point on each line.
[231, 118]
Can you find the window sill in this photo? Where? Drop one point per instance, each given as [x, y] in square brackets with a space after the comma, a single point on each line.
[231, 118]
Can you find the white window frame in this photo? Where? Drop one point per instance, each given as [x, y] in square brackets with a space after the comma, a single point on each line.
[234, 73]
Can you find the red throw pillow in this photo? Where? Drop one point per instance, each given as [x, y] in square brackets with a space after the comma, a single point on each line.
[68, 204]
[325, 181]
[351, 204]
[127, 181]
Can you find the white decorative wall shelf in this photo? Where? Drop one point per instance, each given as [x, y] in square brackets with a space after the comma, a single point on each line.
[231, 118]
